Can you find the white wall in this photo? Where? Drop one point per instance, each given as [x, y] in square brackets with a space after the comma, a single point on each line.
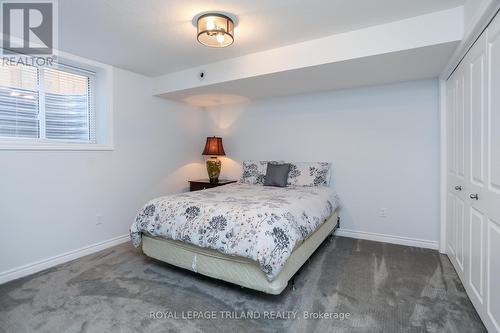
[49, 200]
[383, 142]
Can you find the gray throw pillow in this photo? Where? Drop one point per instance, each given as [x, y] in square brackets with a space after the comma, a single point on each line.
[277, 174]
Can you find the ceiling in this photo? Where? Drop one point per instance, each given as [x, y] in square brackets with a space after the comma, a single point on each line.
[155, 37]
[414, 64]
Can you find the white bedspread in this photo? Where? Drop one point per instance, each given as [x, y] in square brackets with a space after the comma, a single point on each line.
[258, 222]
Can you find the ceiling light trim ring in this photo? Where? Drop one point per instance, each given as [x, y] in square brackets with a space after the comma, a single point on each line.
[231, 16]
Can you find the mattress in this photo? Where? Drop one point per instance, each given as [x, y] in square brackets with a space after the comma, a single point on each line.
[262, 223]
[235, 269]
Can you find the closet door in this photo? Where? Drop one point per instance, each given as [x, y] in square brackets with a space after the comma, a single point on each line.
[451, 233]
[476, 212]
[473, 198]
[490, 198]
[460, 179]
[457, 237]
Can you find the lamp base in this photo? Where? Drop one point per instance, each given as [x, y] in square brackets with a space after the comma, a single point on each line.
[213, 168]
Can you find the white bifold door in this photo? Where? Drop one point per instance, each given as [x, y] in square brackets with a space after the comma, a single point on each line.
[473, 195]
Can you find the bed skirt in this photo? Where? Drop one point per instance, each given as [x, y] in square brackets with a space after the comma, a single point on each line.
[238, 270]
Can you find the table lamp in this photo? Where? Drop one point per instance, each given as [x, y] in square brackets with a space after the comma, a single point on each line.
[213, 148]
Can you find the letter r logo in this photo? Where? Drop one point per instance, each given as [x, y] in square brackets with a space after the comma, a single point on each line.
[27, 27]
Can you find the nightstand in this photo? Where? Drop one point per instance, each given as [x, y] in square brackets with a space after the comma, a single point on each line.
[202, 184]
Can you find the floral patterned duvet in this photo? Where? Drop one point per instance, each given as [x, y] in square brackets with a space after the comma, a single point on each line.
[261, 223]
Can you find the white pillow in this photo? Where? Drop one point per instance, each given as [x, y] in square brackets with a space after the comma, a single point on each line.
[309, 174]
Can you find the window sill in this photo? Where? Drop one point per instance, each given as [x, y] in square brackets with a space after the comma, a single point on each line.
[56, 146]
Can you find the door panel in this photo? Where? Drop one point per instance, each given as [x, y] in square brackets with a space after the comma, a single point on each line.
[451, 129]
[460, 125]
[452, 234]
[459, 219]
[493, 272]
[477, 120]
[494, 112]
[476, 275]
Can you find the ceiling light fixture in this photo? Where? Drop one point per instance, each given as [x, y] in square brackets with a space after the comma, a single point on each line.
[215, 30]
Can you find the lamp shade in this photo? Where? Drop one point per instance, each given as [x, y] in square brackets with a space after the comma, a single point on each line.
[215, 30]
[214, 147]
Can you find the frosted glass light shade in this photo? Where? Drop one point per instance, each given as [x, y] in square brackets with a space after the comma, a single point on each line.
[215, 30]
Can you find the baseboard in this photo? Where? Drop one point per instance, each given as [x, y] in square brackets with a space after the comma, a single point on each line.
[388, 238]
[32, 268]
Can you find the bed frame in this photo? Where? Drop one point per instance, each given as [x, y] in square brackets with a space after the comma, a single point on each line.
[234, 269]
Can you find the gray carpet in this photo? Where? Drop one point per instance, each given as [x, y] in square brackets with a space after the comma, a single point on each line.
[383, 287]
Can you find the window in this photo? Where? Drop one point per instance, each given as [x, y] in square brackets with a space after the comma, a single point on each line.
[46, 105]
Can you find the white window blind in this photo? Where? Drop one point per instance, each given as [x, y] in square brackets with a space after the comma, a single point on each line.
[19, 102]
[46, 104]
[67, 105]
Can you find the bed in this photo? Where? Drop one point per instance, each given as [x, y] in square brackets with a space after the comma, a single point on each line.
[247, 234]
[238, 270]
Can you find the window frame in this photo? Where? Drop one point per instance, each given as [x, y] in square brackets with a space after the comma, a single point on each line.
[101, 109]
